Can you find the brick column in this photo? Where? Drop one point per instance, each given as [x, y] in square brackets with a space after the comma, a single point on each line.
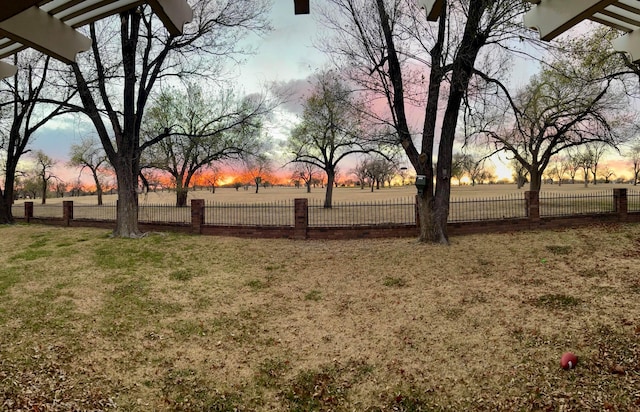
[620, 203]
[532, 204]
[301, 219]
[67, 212]
[28, 211]
[197, 215]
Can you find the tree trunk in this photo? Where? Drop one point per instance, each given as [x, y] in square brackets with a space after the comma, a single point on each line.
[586, 178]
[44, 191]
[426, 217]
[5, 209]
[308, 184]
[536, 180]
[127, 213]
[328, 197]
[181, 196]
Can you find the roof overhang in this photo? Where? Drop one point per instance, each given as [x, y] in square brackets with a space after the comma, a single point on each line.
[49, 25]
[553, 17]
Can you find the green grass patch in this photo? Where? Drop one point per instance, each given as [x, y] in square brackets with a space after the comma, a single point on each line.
[256, 284]
[314, 295]
[31, 254]
[182, 275]
[271, 372]
[394, 282]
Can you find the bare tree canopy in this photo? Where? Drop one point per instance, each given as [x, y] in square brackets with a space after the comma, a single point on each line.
[409, 64]
[571, 103]
[130, 55]
[332, 127]
[201, 128]
[21, 99]
[88, 154]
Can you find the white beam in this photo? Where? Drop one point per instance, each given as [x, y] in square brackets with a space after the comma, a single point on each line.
[553, 17]
[38, 29]
[432, 7]
[630, 44]
[173, 13]
[7, 70]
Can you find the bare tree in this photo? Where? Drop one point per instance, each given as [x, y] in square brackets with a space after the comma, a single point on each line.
[88, 154]
[595, 151]
[258, 168]
[560, 108]
[305, 172]
[558, 168]
[201, 128]
[382, 42]
[332, 128]
[130, 54]
[21, 98]
[43, 170]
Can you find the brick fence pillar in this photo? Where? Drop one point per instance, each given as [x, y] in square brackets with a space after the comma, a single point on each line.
[28, 211]
[532, 204]
[620, 203]
[197, 215]
[301, 219]
[67, 212]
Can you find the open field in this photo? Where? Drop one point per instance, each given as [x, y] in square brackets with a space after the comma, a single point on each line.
[172, 322]
[340, 194]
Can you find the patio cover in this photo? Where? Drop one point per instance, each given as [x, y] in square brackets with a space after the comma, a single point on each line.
[553, 17]
[49, 25]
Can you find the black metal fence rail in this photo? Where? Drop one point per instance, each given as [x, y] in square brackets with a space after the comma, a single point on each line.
[495, 208]
[633, 201]
[279, 213]
[401, 211]
[46, 211]
[341, 214]
[106, 211]
[164, 213]
[568, 204]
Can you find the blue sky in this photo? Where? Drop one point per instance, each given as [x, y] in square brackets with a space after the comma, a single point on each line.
[285, 54]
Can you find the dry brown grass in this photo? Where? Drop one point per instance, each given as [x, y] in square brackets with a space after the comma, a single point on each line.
[174, 322]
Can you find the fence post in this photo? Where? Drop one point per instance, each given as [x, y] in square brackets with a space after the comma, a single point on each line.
[620, 202]
[197, 215]
[532, 200]
[28, 211]
[67, 212]
[301, 210]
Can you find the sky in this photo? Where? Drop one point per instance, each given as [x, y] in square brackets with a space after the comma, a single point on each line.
[286, 55]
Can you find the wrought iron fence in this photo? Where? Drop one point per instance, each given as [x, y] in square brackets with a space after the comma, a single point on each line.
[163, 213]
[46, 210]
[106, 211]
[633, 201]
[280, 213]
[495, 208]
[567, 204]
[399, 211]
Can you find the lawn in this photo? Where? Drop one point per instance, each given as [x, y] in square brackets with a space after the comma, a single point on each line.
[172, 322]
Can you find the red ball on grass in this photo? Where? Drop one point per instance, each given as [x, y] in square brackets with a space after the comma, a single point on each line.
[568, 360]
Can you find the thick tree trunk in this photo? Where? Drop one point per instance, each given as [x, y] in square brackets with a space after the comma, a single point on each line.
[5, 210]
[181, 196]
[308, 186]
[536, 180]
[328, 196]
[127, 213]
